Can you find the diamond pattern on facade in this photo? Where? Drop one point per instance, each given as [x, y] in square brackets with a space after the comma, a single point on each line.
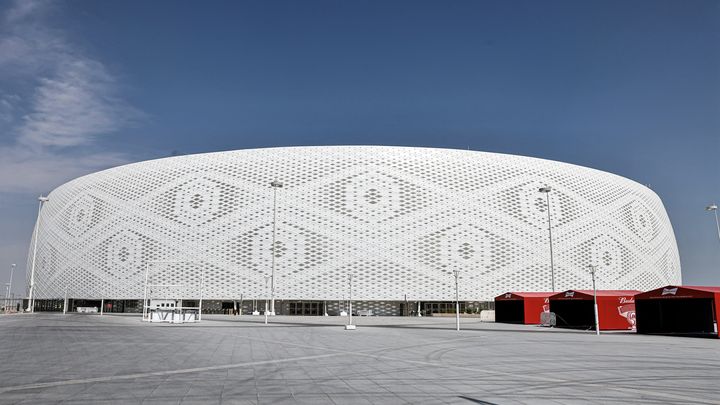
[398, 219]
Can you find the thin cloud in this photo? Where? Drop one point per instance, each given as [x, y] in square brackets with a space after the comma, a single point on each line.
[74, 106]
[62, 100]
[28, 46]
[23, 9]
[7, 108]
[30, 171]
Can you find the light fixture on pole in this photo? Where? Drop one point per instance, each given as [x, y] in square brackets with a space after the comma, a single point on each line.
[266, 300]
[275, 185]
[31, 303]
[714, 209]
[145, 293]
[9, 287]
[597, 318]
[546, 190]
[350, 325]
[456, 272]
[202, 285]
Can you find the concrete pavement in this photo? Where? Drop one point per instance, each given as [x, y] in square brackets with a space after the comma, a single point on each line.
[51, 358]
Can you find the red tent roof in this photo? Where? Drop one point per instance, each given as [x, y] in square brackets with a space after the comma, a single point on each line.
[600, 293]
[529, 294]
[679, 291]
[700, 288]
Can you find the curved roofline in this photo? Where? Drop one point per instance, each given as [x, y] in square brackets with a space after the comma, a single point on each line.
[454, 150]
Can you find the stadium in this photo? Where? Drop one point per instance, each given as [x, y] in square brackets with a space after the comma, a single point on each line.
[396, 221]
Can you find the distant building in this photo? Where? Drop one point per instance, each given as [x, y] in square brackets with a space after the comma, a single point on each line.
[399, 219]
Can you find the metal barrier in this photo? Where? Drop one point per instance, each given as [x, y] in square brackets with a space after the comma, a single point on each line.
[11, 305]
[548, 319]
[173, 315]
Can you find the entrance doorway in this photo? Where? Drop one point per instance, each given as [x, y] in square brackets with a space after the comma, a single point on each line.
[692, 316]
[510, 311]
[429, 308]
[313, 308]
[575, 314]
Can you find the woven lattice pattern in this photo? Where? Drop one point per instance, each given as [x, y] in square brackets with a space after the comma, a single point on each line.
[399, 219]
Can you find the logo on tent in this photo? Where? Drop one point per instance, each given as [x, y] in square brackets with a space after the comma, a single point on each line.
[627, 311]
[669, 291]
[570, 294]
[508, 295]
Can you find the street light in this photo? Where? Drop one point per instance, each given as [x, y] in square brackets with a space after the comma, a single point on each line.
[457, 300]
[65, 301]
[9, 287]
[275, 185]
[546, 190]
[31, 304]
[266, 301]
[714, 208]
[350, 325]
[597, 319]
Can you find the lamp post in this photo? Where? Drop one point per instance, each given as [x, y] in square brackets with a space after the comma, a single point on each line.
[9, 287]
[65, 302]
[597, 319]
[31, 304]
[350, 325]
[714, 209]
[275, 185]
[145, 293]
[457, 300]
[266, 301]
[202, 286]
[546, 190]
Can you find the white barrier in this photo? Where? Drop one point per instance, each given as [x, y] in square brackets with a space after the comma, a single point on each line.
[487, 315]
[87, 310]
[173, 316]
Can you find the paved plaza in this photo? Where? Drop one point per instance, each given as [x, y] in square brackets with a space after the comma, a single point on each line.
[50, 358]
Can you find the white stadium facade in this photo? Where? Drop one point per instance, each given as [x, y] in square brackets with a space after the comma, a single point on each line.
[399, 220]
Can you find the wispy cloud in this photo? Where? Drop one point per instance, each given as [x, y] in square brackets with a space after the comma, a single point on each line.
[7, 108]
[75, 105]
[23, 170]
[60, 101]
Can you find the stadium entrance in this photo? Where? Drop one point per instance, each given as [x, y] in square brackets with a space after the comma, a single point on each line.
[429, 308]
[305, 308]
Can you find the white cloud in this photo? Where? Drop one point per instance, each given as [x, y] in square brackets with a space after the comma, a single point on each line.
[24, 170]
[23, 9]
[7, 108]
[28, 46]
[75, 105]
[61, 101]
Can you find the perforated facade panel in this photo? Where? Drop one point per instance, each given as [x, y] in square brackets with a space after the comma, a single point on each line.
[399, 219]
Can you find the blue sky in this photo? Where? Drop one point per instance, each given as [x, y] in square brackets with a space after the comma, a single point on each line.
[631, 88]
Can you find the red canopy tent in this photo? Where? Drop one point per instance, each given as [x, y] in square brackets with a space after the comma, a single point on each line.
[575, 309]
[685, 310]
[521, 307]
